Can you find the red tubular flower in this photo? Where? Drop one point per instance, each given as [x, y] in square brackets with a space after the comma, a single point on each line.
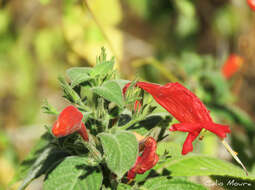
[147, 160]
[68, 122]
[187, 109]
[232, 64]
[251, 3]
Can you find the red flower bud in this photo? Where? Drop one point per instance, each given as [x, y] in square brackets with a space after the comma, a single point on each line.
[232, 64]
[137, 106]
[124, 90]
[187, 109]
[83, 132]
[147, 160]
[251, 3]
[68, 122]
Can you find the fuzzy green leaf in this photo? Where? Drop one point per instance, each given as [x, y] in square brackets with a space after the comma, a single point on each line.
[102, 68]
[38, 162]
[36, 168]
[123, 186]
[162, 183]
[122, 82]
[120, 151]
[69, 93]
[34, 154]
[196, 165]
[111, 91]
[74, 173]
[78, 75]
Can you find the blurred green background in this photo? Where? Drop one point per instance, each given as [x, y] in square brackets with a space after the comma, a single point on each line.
[159, 41]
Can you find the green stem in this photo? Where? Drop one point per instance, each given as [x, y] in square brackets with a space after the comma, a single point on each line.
[129, 124]
[83, 106]
[234, 154]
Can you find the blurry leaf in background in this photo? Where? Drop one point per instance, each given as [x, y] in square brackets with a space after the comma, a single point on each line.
[8, 160]
[84, 34]
[152, 69]
[187, 21]
[192, 63]
[6, 172]
[4, 21]
[103, 9]
[215, 80]
[48, 43]
[45, 2]
[140, 7]
[227, 21]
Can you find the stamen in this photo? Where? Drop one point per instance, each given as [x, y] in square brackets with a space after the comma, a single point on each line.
[234, 154]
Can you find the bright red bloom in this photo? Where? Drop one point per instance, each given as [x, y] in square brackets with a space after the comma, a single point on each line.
[147, 160]
[68, 122]
[232, 64]
[251, 3]
[187, 109]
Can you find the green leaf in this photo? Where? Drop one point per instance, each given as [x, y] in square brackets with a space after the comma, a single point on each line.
[162, 183]
[47, 159]
[194, 164]
[122, 82]
[39, 161]
[172, 149]
[123, 186]
[120, 151]
[111, 91]
[78, 75]
[102, 68]
[31, 158]
[36, 168]
[74, 173]
[69, 93]
[49, 109]
[197, 165]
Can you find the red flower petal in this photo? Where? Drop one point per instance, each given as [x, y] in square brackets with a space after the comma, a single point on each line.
[68, 122]
[217, 129]
[186, 127]
[179, 101]
[187, 146]
[147, 160]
